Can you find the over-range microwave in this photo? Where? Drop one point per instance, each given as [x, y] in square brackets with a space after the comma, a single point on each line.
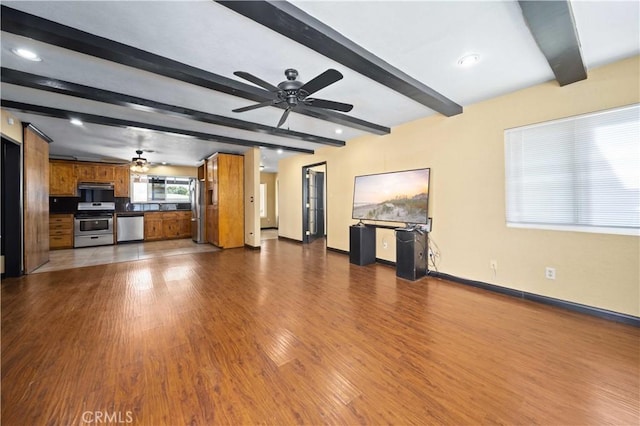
[96, 193]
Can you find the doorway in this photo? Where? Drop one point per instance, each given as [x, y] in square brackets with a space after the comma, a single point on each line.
[10, 208]
[314, 200]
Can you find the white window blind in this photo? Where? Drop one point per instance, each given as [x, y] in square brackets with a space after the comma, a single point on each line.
[579, 174]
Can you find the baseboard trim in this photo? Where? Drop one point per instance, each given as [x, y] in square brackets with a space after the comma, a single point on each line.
[386, 262]
[269, 227]
[293, 240]
[338, 250]
[572, 306]
[250, 247]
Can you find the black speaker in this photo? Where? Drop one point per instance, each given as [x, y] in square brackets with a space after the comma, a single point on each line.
[362, 245]
[411, 254]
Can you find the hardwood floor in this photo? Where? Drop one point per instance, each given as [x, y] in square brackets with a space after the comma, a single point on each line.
[292, 334]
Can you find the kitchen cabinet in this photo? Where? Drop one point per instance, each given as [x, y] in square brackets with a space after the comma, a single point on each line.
[62, 181]
[104, 173]
[167, 225]
[170, 226]
[184, 223]
[153, 226]
[85, 172]
[225, 212]
[94, 172]
[60, 231]
[121, 181]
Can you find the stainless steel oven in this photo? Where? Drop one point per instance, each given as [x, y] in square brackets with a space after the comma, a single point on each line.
[93, 229]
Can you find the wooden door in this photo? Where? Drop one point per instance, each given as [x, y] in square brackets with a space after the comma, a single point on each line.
[36, 199]
[231, 200]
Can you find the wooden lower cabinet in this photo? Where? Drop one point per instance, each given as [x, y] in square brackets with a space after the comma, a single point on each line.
[60, 231]
[153, 226]
[167, 225]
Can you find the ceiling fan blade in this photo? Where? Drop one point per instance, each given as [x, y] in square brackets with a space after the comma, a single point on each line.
[328, 77]
[257, 81]
[323, 103]
[255, 106]
[284, 117]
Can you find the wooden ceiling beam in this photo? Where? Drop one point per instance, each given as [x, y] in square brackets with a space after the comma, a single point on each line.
[117, 122]
[552, 25]
[53, 33]
[291, 22]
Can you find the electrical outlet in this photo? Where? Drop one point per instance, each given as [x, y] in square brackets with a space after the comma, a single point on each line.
[493, 264]
[384, 244]
[550, 273]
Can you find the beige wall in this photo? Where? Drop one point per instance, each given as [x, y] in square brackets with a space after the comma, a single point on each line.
[11, 131]
[182, 171]
[271, 221]
[466, 157]
[251, 197]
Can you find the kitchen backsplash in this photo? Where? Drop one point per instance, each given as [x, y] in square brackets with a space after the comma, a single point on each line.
[60, 205]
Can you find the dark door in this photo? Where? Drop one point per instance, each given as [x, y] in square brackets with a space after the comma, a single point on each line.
[11, 233]
[313, 220]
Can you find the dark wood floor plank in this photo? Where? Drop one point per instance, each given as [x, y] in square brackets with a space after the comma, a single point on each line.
[293, 334]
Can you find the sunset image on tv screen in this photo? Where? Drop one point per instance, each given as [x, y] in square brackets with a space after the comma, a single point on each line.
[394, 197]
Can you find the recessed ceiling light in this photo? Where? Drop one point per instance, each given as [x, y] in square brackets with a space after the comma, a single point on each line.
[164, 163]
[75, 122]
[469, 60]
[280, 151]
[26, 54]
[338, 131]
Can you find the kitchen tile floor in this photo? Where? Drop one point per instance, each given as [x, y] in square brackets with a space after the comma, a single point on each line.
[87, 256]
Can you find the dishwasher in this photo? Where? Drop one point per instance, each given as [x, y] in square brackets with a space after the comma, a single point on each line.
[130, 227]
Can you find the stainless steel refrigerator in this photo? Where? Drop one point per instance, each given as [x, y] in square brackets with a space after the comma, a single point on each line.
[197, 190]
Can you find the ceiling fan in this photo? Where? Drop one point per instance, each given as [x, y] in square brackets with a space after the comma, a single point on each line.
[294, 93]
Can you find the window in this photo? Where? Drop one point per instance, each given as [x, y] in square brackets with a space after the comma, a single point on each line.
[263, 200]
[577, 174]
[160, 188]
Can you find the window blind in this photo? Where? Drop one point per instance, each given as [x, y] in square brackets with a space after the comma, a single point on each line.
[580, 173]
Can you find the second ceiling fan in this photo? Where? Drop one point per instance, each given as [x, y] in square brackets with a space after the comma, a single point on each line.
[294, 93]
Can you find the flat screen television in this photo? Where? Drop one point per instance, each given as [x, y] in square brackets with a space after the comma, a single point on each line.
[392, 197]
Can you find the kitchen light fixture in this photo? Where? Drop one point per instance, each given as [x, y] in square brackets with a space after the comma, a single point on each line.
[26, 54]
[76, 122]
[338, 131]
[469, 60]
[139, 164]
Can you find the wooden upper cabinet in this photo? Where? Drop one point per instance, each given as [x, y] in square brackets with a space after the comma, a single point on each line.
[104, 173]
[121, 181]
[85, 172]
[94, 173]
[62, 181]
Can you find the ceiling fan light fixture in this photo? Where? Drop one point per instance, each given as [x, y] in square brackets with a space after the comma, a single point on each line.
[469, 60]
[139, 164]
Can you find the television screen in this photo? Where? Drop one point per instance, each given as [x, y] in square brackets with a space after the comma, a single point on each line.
[392, 197]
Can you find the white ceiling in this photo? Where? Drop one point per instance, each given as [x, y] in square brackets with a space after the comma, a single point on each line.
[424, 39]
